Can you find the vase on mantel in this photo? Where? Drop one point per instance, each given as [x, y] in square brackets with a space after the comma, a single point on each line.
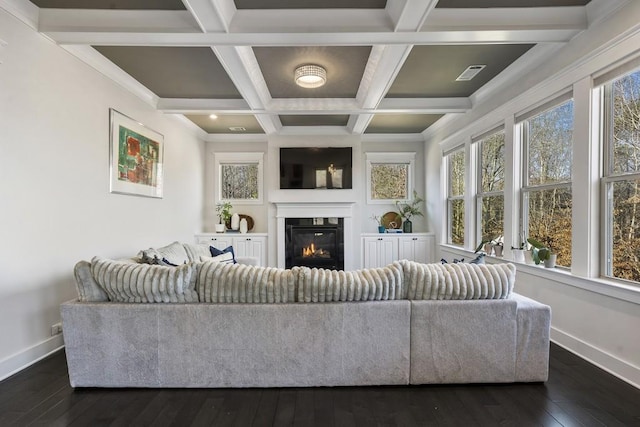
[407, 226]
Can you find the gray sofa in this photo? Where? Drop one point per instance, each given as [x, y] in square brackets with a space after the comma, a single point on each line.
[251, 326]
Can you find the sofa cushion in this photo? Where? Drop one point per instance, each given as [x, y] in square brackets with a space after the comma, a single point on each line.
[196, 250]
[458, 281]
[127, 282]
[320, 285]
[239, 283]
[170, 255]
[226, 258]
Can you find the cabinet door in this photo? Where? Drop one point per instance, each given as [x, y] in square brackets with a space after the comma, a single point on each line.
[388, 251]
[251, 247]
[378, 251]
[416, 248]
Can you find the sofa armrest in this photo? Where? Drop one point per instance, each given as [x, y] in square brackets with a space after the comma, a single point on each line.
[88, 289]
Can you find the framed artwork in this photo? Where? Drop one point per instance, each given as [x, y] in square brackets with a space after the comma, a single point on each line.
[136, 157]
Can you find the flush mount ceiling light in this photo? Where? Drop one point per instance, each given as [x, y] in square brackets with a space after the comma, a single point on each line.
[310, 76]
[213, 116]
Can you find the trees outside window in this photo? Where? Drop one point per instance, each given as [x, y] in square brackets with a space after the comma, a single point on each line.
[390, 177]
[491, 186]
[455, 197]
[547, 201]
[622, 177]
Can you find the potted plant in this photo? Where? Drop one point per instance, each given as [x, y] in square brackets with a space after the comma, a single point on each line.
[492, 245]
[223, 210]
[542, 252]
[409, 209]
[378, 219]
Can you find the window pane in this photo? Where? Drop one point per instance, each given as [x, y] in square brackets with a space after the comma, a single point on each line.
[626, 230]
[550, 221]
[626, 124]
[492, 217]
[239, 181]
[457, 221]
[492, 166]
[549, 141]
[456, 169]
[389, 181]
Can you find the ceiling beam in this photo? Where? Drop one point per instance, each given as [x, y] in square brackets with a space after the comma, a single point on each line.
[208, 17]
[457, 37]
[412, 15]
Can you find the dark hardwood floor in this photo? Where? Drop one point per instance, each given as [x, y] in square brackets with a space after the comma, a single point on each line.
[577, 394]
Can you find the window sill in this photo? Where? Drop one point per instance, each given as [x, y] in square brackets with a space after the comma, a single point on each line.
[610, 288]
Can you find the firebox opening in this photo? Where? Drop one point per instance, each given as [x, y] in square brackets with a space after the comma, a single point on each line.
[315, 242]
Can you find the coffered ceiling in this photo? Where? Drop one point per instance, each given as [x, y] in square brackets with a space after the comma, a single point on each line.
[391, 64]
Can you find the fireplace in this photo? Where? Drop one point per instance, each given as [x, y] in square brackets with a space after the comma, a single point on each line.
[314, 242]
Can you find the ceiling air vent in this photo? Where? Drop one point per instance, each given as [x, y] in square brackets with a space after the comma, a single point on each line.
[470, 73]
[237, 129]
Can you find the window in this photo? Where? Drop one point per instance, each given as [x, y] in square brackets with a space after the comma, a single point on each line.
[491, 186]
[547, 133]
[390, 177]
[239, 177]
[455, 197]
[622, 177]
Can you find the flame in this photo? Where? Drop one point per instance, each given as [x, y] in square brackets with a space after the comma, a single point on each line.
[309, 250]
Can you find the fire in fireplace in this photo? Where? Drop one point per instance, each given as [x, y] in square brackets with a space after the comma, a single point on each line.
[314, 242]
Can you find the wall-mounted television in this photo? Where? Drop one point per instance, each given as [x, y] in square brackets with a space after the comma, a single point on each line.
[316, 168]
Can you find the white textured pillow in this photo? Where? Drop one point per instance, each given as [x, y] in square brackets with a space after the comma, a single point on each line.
[127, 282]
[371, 284]
[460, 281]
[173, 254]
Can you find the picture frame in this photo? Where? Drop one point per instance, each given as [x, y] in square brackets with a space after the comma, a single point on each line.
[136, 156]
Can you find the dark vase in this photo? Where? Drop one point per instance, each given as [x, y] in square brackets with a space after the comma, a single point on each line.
[407, 226]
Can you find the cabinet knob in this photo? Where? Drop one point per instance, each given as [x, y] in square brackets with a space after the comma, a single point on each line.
[415, 238]
[248, 239]
[379, 238]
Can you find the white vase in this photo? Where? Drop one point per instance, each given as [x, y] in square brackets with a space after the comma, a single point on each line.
[244, 227]
[235, 221]
[528, 257]
[551, 261]
[219, 228]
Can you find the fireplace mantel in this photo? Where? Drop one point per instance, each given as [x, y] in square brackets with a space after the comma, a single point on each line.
[316, 210]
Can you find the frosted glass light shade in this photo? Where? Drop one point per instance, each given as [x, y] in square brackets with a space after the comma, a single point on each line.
[310, 76]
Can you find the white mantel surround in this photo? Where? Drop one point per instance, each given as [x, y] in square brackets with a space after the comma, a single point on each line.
[316, 210]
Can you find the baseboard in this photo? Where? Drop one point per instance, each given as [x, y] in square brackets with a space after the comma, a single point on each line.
[613, 365]
[19, 361]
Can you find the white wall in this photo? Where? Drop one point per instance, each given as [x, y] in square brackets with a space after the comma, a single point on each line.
[594, 318]
[55, 205]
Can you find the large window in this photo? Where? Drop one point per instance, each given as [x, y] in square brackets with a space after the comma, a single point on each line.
[547, 133]
[622, 177]
[455, 197]
[491, 186]
[239, 177]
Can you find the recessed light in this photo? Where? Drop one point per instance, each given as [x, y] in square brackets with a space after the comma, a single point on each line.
[237, 129]
[470, 73]
[213, 116]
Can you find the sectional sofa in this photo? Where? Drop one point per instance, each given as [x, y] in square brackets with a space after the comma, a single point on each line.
[206, 323]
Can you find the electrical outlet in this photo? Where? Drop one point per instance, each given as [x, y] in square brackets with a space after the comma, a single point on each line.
[56, 329]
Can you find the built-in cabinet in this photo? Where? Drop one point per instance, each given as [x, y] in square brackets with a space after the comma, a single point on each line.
[250, 244]
[381, 249]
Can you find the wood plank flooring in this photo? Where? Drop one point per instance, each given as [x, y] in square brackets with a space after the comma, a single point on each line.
[577, 394]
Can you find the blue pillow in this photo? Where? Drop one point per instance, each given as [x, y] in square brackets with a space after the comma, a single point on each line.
[215, 252]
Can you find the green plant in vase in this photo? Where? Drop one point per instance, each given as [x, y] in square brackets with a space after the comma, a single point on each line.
[223, 210]
[408, 210]
[543, 253]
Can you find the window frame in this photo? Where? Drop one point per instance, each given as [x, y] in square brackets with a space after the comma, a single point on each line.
[477, 143]
[522, 128]
[234, 158]
[405, 158]
[609, 176]
[450, 198]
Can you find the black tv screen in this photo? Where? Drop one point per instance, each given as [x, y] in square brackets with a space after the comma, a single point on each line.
[315, 168]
